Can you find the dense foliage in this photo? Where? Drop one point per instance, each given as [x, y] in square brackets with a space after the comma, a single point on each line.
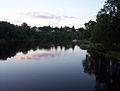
[10, 32]
[106, 30]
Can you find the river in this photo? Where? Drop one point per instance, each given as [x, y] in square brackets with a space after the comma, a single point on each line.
[57, 68]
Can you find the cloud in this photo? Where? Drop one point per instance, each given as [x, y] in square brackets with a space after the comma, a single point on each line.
[46, 16]
[70, 17]
[17, 21]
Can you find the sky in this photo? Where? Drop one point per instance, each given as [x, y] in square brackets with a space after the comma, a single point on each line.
[50, 12]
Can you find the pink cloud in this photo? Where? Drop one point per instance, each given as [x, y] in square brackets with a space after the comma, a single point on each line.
[46, 16]
[41, 16]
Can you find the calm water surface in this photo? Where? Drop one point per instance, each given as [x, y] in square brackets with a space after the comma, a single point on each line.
[58, 69]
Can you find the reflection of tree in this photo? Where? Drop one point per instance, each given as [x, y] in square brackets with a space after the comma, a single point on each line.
[11, 49]
[106, 71]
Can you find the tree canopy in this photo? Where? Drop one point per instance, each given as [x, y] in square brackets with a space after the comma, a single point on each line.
[10, 32]
[106, 28]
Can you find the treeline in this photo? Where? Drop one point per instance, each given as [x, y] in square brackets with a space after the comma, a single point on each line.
[105, 31]
[10, 32]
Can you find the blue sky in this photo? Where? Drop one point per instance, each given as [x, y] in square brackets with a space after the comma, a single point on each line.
[50, 12]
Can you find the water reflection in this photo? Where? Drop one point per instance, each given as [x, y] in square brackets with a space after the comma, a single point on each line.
[51, 73]
[106, 71]
[34, 55]
[11, 49]
[56, 67]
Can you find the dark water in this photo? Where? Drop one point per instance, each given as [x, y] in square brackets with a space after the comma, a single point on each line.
[56, 68]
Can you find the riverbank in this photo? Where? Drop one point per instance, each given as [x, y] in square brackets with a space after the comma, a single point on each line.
[106, 51]
[113, 54]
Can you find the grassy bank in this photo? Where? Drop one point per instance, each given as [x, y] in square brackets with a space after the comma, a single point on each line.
[113, 54]
[107, 51]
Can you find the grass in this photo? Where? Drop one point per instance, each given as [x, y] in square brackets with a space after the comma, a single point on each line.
[113, 54]
[86, 44]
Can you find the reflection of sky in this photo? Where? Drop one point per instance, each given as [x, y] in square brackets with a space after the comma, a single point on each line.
[62, 72]
[34, 55]
[43, 54]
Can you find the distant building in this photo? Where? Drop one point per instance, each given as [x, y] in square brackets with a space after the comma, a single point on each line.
[69, 30]
[75, 40]
[53, 31]
[37, 30]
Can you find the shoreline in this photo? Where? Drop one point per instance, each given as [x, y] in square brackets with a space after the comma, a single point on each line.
[106, 52]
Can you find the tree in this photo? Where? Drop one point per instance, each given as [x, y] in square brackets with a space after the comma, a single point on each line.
[89, 28]
[73, 29]
[107, 29]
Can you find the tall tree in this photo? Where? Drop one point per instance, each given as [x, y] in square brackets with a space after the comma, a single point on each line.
[89, 28]
[107, 29]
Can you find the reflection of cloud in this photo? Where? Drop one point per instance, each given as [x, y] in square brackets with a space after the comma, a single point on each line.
[34, 55]
[46, 16]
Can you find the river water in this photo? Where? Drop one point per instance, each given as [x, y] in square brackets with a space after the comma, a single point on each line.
[58, 69]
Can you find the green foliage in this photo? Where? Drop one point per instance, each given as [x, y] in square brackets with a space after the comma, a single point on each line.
[89, 28]
[113, 54]
[107, 29]
[104, 33]
[10, 32]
